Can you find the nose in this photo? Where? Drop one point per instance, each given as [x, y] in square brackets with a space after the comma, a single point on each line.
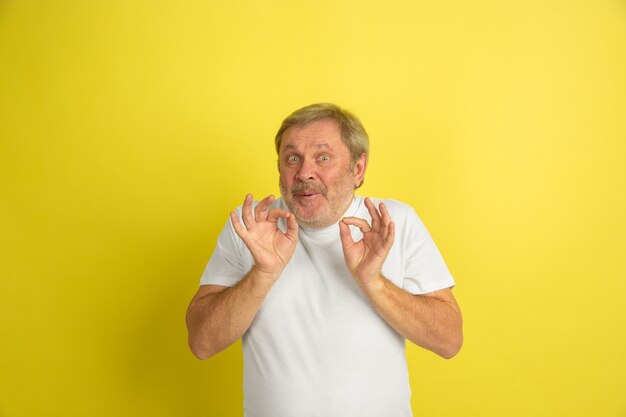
[306, 170]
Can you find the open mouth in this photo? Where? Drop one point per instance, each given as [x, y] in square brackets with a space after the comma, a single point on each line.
[304, 191]
[307, 195]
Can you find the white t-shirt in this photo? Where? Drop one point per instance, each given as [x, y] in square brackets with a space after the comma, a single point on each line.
[316, 347]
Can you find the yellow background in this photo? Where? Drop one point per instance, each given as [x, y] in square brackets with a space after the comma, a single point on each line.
[129, 130]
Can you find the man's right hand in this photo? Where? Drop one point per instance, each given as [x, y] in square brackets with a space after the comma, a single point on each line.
[270, 247]
[220, 315]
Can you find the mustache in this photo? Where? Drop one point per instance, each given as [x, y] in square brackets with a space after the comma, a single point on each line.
[308, 187]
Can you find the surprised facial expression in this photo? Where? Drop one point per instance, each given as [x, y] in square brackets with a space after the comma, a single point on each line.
[316, 180]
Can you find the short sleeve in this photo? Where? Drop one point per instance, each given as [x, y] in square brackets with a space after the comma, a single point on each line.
[230, 261]
[424, 268]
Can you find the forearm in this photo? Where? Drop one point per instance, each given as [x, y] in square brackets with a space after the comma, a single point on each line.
[430, 321]
[217, 320]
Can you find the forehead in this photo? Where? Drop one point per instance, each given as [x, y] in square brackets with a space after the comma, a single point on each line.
[324, 133]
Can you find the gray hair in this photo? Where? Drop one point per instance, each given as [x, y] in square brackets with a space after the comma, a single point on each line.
[353, 133]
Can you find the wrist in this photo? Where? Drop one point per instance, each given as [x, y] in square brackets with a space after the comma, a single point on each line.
[373, 286]
[259, 282]
[264, 275]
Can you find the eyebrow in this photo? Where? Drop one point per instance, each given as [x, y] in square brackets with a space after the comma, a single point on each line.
[318, 146]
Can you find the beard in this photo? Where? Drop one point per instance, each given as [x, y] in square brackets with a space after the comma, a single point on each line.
[318, 214]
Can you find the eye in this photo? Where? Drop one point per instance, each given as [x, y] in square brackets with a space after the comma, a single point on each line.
[292, 159]
[324, 158]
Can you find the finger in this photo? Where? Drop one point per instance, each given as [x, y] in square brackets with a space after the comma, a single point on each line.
[345, 235]
[246, 211]
[239, 229]
[385, 219]
[276, 213]
[391, 234]
[260, 211]
[371, 208]
[363, 225]
[292, 227]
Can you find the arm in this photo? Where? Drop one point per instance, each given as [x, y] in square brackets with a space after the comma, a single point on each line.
[217, 316]
[432, 321]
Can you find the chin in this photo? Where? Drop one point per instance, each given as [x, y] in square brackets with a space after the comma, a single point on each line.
[310, 221]
[314, 219]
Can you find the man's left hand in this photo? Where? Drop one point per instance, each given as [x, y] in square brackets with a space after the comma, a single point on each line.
[365, 258]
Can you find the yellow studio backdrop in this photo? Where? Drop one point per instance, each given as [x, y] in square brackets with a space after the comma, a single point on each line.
[129, 130]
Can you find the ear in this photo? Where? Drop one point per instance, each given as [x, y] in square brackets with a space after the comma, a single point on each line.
[359, 170]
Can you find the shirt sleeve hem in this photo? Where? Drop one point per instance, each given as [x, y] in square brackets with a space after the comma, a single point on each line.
[416, 289]
[227, 282]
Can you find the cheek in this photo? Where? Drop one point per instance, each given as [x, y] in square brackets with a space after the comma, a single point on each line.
[285, 179]
[331, 177]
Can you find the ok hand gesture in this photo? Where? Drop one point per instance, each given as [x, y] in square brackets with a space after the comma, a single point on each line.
[270, 247]
[365, 258]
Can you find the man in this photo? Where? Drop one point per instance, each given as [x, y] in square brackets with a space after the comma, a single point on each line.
[324, 286]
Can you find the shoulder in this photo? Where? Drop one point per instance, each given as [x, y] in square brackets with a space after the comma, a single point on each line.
[393, 206]
[401, 213]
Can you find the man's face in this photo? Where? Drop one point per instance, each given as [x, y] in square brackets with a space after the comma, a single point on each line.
[316, 180]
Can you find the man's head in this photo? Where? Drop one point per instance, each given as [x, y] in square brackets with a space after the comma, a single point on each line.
[322, 157]
[353, 133]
